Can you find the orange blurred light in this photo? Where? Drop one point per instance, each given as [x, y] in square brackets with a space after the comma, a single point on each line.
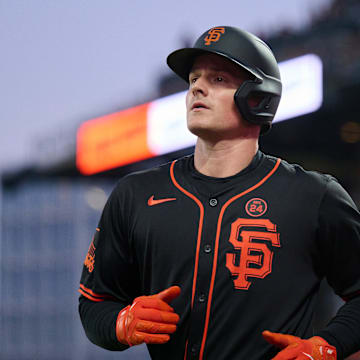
[113, 140]
[350, 132]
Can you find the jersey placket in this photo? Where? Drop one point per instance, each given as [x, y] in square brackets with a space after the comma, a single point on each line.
[205, 269]
[203, 280]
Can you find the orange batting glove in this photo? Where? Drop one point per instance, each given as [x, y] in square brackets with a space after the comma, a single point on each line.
[150, 319]
[295, 348]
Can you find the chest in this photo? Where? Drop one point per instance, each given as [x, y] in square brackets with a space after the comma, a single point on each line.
[240, 232]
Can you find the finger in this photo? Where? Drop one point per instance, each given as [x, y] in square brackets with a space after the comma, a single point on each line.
[140, 337]
[279, 340]
[157, 316]
[168, 295]
[152, 302]
[155, 327]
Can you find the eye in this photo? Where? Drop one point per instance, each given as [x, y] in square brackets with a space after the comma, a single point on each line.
[193, 80]
[219, 79]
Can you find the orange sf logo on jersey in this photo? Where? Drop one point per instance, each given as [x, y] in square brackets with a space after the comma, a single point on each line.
[251, 258]
[214, 35]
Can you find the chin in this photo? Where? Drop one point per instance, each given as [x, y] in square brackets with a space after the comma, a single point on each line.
[205, 133]
[197, 129]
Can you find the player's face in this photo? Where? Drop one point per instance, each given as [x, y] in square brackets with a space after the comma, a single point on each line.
[211, 110]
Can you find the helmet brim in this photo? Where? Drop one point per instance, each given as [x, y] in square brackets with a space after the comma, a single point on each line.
[182, 60]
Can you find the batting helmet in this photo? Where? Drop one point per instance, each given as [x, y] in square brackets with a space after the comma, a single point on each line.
[250, 53]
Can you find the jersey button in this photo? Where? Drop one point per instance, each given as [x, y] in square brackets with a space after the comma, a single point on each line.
[202, 298]
[213, 202]
[207, 248]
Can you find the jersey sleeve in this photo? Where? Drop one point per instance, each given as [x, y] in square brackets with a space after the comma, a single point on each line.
[339, 236]
[109, 271]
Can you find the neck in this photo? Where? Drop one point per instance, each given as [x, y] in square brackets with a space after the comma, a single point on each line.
[224, 158]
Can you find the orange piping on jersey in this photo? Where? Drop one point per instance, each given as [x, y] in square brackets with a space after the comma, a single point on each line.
[89, 296]
[93, 296]
[186, 345]
[91, 292]
[201, 220]
[218, 230]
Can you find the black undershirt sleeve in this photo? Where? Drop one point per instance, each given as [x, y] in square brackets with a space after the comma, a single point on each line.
[343, 331]
[110, 277]
[339, 235]
[99, 322]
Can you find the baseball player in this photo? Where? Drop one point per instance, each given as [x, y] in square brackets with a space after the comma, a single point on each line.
[219, 255]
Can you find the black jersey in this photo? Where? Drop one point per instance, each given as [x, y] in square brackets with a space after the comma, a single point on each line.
[248, 251]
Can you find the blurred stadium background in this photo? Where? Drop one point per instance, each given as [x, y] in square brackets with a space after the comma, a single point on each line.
[50, 208]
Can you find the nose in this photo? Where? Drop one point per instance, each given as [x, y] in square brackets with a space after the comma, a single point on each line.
[199, 87]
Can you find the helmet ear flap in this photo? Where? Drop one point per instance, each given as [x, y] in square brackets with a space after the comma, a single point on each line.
[264, 111]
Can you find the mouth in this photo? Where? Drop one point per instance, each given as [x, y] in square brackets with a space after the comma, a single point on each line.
[198, 105]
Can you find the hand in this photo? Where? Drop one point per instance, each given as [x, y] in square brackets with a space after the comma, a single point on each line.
[150, 319]
[295, 348]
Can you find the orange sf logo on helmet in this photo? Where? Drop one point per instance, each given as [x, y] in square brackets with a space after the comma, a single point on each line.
[214, 35]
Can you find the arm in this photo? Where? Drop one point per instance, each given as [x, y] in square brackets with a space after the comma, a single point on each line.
[343, 333]
[113, 314]
[339, 250]
[104, 289]
[339, 241]
[150, 320]
[99, 322]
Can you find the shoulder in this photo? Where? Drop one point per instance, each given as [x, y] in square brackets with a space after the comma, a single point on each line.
[143, 176]
[297, 172]
[293, 178]
[154, 177]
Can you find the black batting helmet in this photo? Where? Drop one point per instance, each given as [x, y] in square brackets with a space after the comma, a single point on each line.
[251, 54]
